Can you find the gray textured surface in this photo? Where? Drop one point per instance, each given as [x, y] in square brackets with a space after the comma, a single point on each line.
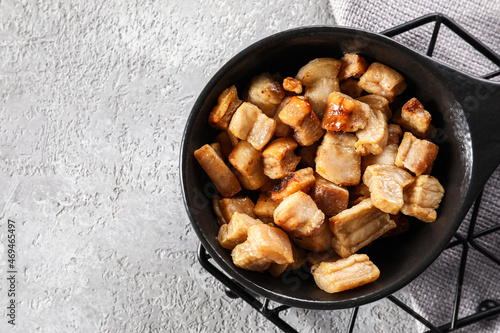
[94, 97]
[93, 100]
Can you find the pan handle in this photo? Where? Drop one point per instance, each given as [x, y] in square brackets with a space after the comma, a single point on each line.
[480, 100]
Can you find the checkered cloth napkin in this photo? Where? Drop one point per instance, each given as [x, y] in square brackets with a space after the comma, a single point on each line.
[433, 292]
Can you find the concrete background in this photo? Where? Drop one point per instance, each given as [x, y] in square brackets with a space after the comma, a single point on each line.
[93, 100]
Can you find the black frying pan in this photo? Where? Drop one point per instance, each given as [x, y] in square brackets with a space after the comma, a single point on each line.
[466, 112]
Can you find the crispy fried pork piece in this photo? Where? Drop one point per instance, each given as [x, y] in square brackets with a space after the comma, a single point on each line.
[345, 274]
[313, 258]
[243, 119]
[319, 76]
[388, 155]
[268, 186]
[357, 227]
[225, 181]
[350, 87]
[225, 143]
[262, 131]
[414, 118]
[298, 114]
[382, 80]
[416, 155]
[293, 85]
[402, 225]
[266, 92]
[330, 198]
[377, 102]
[282, 130]
[226, 207]
[248, 163]
[353, 65]
[386, 184]
[344, 113]
[357, 194]
[308, 154]
[320, 240]
[249, 123]
[300, 180]
[373, 138]
[226, 106]
[234, 140]
[337, 159]
[264, 208]
[422, 198]
[216, 146]
[298, 215]
[299, 259]
[235, 232]
[279, 159]
[264, 245]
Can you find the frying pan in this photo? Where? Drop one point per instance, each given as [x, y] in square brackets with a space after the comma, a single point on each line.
[466, 114]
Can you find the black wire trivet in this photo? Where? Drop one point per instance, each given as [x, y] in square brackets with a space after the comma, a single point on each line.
[487, 308]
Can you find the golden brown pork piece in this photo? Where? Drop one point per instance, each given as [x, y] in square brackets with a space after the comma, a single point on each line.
[225, 143]
[414, 118]
[320, 240]
[298, 215]
[344, 113]
[422, 198]
[222, 113]
[225, 207]
[298, 114]
[386, 184]
[353, 65]
[249, 123]
[293, 85]
[300, 180]
[345, 274]
[213, 164]
[234, 140]
[337, 159]
[390, 151]
[264, 245]
[248, 163]
[308, 154]
[416, 155]
[262, 131]
[264, 208]
[350, 87]
[377, 102]
[373, 138]
[330, 198]
[382, 80]
[279, 159]
[319, 76]
[243, 119]
[216, 146]
[282, 130]
[357, 194]
[358, 226]
[266, 92]
[235, 232]
[299, 259]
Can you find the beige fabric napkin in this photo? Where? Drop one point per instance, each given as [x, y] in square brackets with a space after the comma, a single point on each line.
[433, 292]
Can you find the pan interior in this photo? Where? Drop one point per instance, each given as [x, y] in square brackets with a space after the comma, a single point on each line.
[400, 259]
